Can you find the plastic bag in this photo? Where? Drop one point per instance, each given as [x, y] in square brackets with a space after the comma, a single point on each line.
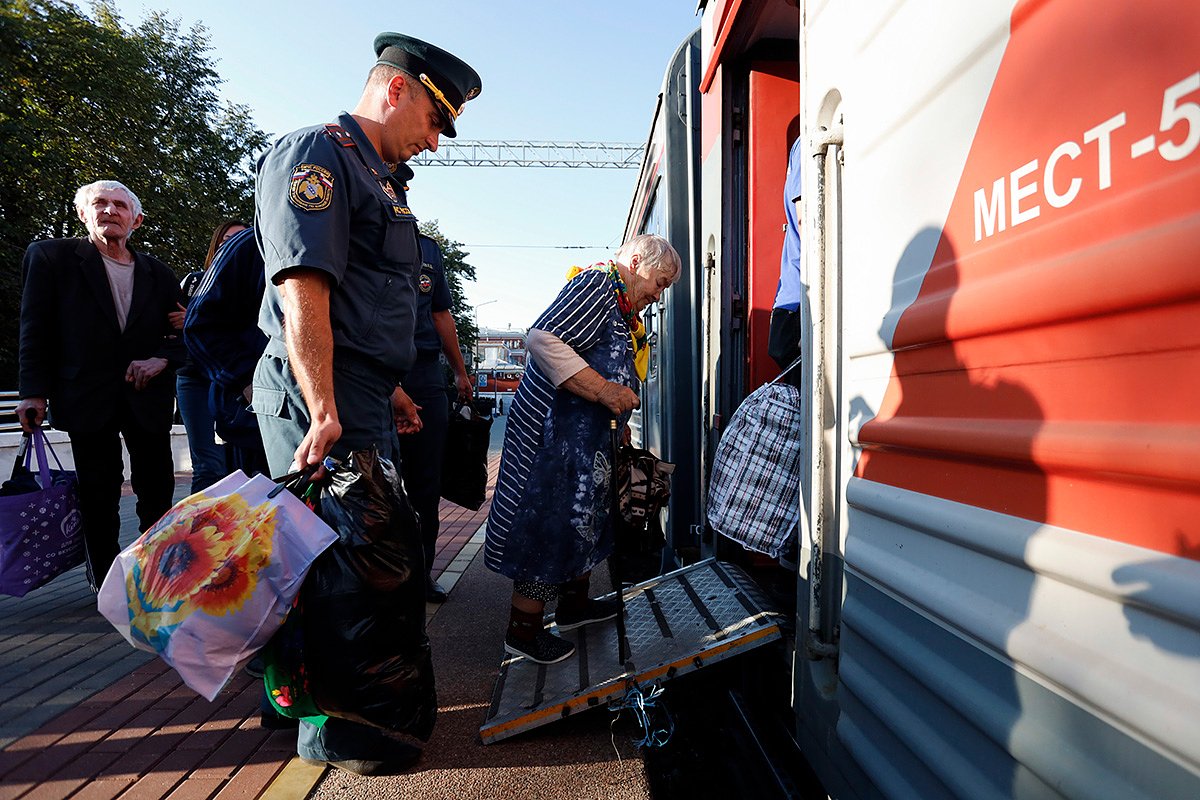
[365, 648]
[208, 584]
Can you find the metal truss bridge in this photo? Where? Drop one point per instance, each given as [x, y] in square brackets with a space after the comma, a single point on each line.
[602, 155]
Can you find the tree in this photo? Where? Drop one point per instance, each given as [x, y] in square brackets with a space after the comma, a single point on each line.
[454, 259]
[84, 98]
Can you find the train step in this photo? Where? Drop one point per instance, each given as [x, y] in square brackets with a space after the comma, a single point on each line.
[674, 624]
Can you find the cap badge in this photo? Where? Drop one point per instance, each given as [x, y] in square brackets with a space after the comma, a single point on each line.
[311, 187]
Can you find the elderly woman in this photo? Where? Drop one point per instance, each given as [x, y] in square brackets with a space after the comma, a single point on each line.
[549, 521]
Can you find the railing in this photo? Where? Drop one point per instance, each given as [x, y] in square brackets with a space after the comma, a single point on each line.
[8, 412]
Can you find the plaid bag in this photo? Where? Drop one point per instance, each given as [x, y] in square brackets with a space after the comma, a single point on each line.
[754, 494]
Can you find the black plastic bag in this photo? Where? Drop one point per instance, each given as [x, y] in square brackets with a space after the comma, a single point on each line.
[465, 459]
[365, 648]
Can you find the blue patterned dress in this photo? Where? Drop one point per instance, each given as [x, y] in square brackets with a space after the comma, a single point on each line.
[549, 516]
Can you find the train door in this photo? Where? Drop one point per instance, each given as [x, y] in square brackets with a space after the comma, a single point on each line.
[755, 99]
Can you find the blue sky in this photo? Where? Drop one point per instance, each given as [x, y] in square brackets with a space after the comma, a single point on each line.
[553, 70]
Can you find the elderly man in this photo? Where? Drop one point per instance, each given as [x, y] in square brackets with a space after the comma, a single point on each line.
[342, 264]
[95, 347]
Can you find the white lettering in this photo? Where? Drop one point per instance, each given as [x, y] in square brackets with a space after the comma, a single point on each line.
[1102, 134]
[1174, 112]
[1069, 150]
[1017, 193]
[989, 218]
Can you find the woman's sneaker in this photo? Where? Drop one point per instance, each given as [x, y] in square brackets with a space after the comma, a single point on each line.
[545, 647]
[586, 613]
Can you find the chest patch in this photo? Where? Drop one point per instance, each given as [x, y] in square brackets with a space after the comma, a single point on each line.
[311, 187]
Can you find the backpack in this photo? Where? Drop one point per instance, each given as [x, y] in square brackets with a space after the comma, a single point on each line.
[222, 335]
[754, 493]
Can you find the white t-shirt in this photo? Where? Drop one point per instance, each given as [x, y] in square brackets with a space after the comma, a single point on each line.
[120, 280]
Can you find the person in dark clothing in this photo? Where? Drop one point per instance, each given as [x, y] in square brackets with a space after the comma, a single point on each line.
[421, 452]
[97, 353]
[224, 342]
[192, 386]
[339, 244]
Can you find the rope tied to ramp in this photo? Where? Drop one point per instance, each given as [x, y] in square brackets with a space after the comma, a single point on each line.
[648, 711]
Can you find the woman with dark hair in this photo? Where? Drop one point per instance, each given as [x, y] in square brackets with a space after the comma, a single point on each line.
[192, 385]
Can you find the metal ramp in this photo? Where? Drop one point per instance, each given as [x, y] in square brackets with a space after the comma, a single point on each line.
[674, 624]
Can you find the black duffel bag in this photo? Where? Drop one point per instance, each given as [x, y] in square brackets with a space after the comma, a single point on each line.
[365, 649]
[465, 459]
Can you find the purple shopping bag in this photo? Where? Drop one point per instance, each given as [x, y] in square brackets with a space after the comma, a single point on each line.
[40, 532]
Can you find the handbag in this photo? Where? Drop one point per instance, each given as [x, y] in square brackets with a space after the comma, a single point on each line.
[41, 533]
[754, 492]
[643, 487]
[465, 458]
[209, 584]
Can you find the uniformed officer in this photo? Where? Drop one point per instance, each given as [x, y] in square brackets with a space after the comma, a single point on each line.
[339, 244]
[425, 384]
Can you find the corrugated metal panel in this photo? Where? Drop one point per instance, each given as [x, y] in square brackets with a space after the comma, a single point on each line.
[1070, 660]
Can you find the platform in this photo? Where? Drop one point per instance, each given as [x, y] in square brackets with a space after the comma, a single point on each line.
[675, 624]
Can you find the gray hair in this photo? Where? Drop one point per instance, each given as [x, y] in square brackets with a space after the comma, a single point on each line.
[655, 251]
[84, 195]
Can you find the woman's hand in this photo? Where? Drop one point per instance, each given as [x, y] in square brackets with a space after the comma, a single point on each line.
[617, 398]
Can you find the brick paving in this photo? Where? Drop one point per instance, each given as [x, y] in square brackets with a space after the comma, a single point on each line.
[85, 716]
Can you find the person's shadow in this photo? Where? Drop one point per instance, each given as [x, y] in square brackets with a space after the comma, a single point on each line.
[936, 583]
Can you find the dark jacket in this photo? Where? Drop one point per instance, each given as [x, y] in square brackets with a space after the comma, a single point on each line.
[73, 351]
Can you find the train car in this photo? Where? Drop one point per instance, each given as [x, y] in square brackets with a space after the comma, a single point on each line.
[665, 202]
[997, 592]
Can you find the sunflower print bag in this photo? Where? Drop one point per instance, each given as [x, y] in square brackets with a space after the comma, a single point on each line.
[208, 584]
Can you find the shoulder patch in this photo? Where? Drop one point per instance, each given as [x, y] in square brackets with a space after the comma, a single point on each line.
[311, 187]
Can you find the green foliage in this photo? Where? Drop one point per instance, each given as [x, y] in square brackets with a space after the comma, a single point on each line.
[458, 270]
[85, 98]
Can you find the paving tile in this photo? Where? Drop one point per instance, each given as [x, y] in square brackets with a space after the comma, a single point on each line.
[162, 778]
[253, 777]
[119, 723]
[103, 789]
[196, 789]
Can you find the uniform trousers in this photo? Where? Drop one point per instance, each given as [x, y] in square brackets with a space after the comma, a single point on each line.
[101, 471]
[421, 452]
[364, 411]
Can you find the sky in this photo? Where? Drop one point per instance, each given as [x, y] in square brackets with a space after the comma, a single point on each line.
[552, 70]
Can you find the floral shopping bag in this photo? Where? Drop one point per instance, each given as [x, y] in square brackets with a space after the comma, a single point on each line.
[211, 581]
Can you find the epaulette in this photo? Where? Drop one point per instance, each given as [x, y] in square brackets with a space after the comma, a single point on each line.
[340, 135]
